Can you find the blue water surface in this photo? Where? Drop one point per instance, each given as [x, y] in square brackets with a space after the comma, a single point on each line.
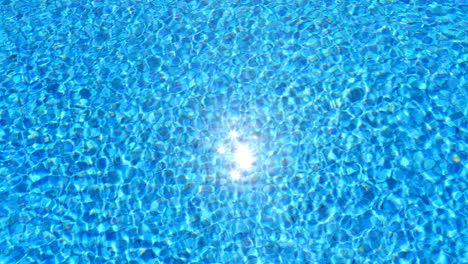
[233, 131]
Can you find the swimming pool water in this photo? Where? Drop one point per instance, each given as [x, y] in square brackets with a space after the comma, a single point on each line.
[233, 131]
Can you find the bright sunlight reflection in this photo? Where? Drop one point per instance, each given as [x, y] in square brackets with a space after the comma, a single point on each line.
[235, 175]
[239, 153]
[244, 156]
[233, 134]
[221, 150]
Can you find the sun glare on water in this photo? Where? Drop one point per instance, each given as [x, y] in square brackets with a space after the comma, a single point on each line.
[244, 157]
[239, 153]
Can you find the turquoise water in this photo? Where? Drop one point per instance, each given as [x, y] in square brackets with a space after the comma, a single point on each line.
[233, 132]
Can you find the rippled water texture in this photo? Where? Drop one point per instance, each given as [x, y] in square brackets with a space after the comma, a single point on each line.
[233, 131]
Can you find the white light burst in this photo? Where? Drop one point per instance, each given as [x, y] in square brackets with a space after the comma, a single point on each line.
[244, 157]
[222, 150]
[233, 134]
[235, 175]
[239, 154]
